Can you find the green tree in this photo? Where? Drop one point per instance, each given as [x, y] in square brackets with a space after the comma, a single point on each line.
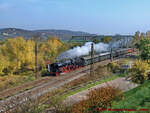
[144, 47]
[95, 40]
[136, 38]
[142, 36]
[106, 39]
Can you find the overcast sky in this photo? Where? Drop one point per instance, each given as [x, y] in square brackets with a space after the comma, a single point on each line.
[94, 16]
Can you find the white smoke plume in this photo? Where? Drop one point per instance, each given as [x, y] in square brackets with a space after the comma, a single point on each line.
[83, 50]
[122, 43]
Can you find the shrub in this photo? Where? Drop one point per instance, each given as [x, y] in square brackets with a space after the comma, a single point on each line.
[81, 107]
[102, 71]
[31, 106]
[98, 98]
[139, 71]
[114, 67]
[44, 72]
[57, 105]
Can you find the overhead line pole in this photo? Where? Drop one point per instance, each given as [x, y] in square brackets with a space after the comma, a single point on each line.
[36, 59]
[36, 38]
[92, 60]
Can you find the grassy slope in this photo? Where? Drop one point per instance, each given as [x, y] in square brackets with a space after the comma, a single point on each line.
[137, 98]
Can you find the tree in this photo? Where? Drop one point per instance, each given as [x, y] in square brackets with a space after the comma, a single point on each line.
[148, 34]
[51, 48]
[19, 53]
[106, 39]
[136, 38]
[142, 36]
[95, 40]
[139, 71]
[144, 47]
[4, 63]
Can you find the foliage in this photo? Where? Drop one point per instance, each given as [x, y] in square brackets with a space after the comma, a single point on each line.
[114, 67]
[106, 39]
[51, 48]
[74, 44]
[96, 41]
[136, 38]
[98, 98]
[142, 36]
[18, 55]
[140, 96]
[102, 71]
[58, 105]
[139, 71]
[3, 63]
[31, 106]
[144, 47]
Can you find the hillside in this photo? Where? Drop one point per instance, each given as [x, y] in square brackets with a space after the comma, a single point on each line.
[61, 34]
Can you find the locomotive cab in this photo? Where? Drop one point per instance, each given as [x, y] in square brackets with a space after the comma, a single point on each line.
[53, 69]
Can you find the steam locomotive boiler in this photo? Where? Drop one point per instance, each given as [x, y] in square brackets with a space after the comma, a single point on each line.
[72, 64]
[66, 66]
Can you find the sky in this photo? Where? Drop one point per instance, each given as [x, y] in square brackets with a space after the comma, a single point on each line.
[93, 16]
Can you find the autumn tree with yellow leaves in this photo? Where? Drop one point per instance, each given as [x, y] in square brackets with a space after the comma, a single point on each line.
[17, 54]
[52, 48]
[139, 71]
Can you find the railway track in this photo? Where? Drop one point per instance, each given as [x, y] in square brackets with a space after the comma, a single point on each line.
[41, 87]
[11, 102]
[12, 91]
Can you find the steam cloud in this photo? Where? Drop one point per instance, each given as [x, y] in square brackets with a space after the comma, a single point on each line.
[83, 50]
[124, 42]
[98, 48]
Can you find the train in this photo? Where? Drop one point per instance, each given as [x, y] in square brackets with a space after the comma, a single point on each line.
[59, 68]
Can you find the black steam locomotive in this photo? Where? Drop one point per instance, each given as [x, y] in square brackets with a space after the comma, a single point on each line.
[72, 64]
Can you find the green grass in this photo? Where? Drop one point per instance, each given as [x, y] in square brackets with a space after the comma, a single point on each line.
[92, 85]
[137, 98]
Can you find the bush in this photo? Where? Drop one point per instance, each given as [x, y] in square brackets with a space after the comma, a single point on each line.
[139, 71]
[98, 98]
[31, 106]
[44, 72]
[114, 67]
[102, 71]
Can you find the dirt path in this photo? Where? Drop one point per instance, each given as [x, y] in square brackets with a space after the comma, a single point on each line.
[120, 83]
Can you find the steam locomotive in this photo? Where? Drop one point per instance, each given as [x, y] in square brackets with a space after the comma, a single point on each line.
[72, 64]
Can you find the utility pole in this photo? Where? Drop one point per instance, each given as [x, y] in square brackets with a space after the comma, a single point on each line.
[92, 61]
[36, 38]
[36, 59]
[111, 54]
